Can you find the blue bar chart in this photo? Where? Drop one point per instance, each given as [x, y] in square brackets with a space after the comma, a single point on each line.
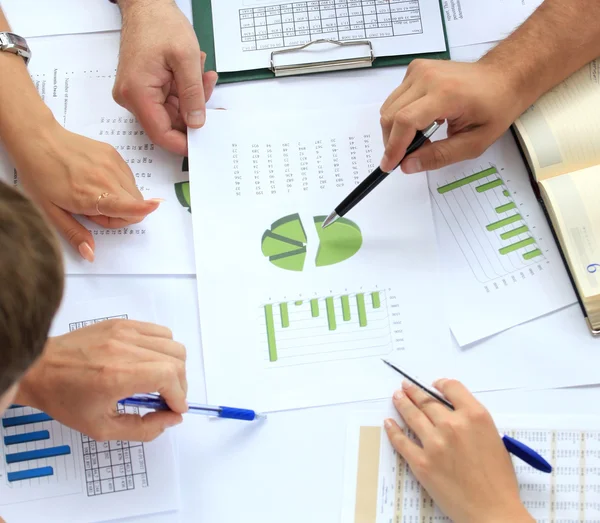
[39, 456]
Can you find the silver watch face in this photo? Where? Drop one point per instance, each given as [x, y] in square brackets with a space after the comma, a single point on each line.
[19, 41]
[14, 43]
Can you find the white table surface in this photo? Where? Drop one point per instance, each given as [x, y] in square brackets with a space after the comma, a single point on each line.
[290, 469]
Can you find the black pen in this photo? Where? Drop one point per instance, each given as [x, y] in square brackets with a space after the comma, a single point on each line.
[376, 177]
[513, 446]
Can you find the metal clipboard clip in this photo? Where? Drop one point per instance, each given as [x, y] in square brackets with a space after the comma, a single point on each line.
[326, 65]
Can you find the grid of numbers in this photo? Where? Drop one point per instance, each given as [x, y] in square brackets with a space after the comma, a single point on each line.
[112, 466]
[269, 169]
[298, 23]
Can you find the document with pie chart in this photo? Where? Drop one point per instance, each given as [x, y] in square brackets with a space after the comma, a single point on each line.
[293, 315]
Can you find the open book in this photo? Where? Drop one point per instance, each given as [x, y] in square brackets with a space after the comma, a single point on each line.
[560, 139]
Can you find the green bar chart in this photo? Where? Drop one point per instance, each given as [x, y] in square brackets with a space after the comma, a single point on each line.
[486, 221]
[351, 324]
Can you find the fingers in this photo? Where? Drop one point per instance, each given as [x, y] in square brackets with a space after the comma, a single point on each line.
[147, 104]
[123, 205]
[210, 82]
[132, 427]
[432, 408]
[187, 70]
[406, 122]
[76, 234]
[435, 155]
[168, 379]
[151, 329]
[412, 415]
[407, 448]
[457, 394]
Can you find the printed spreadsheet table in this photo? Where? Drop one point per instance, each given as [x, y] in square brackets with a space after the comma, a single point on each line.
[112, 466]
[298, 23]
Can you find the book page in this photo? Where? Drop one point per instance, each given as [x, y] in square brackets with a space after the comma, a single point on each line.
[248, 31]
[293, 315]
[574, 206]
[380, 487]
[561, 131]
[51, 473]
[500, 258]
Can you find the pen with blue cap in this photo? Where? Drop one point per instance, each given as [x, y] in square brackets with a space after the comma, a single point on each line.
[156, 402]
[516, 448]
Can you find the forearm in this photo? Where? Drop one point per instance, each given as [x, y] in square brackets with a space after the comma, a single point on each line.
[558, 39]
[23, 113]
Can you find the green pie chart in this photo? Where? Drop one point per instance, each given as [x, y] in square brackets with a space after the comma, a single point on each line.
[285, 242]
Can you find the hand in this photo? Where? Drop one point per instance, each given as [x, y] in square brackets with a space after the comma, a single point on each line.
[478, 101]
[161, 77]
[461, 461]
[81, 376]
[66, 173]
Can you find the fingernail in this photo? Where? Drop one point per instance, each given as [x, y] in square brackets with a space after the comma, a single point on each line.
[388, 424]
[215, 82]
[86, 251]
[412, 166]
[385, 161]
[398, 395]
[440, 382]
[196, 118]
[407, 384]
[156, 200]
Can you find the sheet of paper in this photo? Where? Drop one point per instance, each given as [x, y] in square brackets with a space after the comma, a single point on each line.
[379, 486]
[52, 473]
[501, 264]
[247, 31]
[161, 244]
[61, 17]
[474, 22]
[284, 303]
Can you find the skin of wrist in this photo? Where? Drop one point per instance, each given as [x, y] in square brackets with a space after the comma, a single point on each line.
[19, 136]
[26, 393]
[130, 7]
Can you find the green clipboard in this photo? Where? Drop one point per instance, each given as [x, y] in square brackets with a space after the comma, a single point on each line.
[203, 25]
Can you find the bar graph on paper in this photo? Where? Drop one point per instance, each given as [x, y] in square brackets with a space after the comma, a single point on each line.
[329, 328]
[488, 224]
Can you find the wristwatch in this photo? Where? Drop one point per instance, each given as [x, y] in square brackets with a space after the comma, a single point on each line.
[12, 43]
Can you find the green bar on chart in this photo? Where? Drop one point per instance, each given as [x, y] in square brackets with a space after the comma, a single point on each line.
[506, 207]
[330, 313]
[491, 185]
[285, 315]
[503, 223]
[506, 193]
[346, 308]
[516, 246]
[314, 308]
[299, 302]
[467, 180]
[376, 300]
[271, 333]
[514, 232]
[362, 311]
[532, 254]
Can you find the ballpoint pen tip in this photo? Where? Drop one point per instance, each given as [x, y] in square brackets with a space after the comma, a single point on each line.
[330, 219]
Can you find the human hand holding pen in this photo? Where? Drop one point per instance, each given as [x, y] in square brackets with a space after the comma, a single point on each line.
[83, 374]
[461, 461]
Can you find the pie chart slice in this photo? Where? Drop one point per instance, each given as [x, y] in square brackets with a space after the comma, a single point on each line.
[340, 241]
[182, 190]
[273, 244]
[291, 261]
[290, 227]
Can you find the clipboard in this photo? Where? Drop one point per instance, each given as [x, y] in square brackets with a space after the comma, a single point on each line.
[203, 25]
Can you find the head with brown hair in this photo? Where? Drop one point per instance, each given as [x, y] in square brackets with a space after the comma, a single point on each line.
[31, 283]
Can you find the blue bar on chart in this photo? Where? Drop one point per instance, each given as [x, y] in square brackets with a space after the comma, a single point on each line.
[28, 419]
[26, 437]
[15, 406]
[21, 475]
[28, 455]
